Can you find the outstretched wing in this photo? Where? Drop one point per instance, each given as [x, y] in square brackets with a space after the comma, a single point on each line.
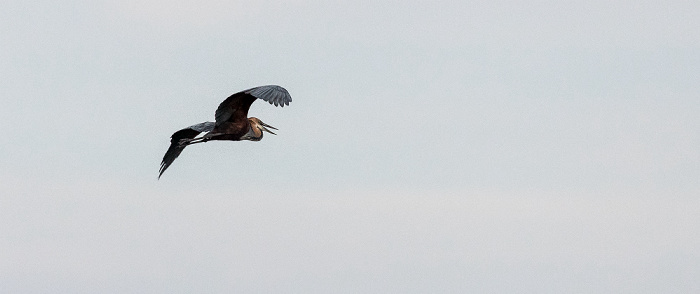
[235, 107]
[175, 148]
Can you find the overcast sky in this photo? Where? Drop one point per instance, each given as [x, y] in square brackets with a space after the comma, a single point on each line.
[431, 147]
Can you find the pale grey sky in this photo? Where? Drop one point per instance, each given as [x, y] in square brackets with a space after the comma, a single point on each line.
[431, 147]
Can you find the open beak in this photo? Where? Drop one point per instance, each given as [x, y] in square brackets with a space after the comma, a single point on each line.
[265, 126]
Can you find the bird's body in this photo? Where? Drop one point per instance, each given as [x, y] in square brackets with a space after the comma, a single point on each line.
[232, 123]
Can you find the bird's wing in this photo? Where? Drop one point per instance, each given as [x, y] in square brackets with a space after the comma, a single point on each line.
[274, 94]
[235, 107]
[175, 149]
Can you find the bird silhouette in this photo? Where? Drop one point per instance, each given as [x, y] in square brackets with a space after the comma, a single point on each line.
[232, 122]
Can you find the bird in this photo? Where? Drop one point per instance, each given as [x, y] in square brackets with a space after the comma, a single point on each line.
[231, 122]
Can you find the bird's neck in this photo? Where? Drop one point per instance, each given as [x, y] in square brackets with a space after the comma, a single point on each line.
[253, 134]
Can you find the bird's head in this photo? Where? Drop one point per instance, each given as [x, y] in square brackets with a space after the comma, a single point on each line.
[257, 123]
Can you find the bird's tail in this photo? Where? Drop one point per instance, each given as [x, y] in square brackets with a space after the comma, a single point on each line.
[176, 148]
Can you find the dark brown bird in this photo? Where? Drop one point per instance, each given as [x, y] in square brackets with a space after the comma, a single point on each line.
[232, 122]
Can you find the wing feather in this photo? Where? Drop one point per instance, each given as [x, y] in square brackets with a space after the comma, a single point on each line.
[236, 106]
[271, 93]
[175, 149]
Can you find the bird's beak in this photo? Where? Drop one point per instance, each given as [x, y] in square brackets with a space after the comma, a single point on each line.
[265, 126]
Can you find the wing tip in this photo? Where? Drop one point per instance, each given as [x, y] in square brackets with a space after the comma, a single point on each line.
[274, 94]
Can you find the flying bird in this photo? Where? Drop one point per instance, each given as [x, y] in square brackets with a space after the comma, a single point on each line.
[232, 122]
